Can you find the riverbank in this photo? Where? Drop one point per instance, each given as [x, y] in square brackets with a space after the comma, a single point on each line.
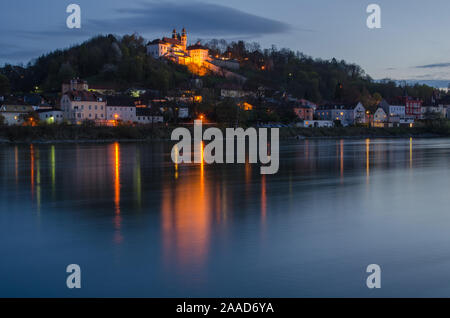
[65, 133]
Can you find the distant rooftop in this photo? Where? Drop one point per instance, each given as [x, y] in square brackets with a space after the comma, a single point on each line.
[84, 96]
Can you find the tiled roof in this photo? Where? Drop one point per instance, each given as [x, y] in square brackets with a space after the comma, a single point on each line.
[337, 106]
[166, 41]
[230, 86]
[197, 46]
[48, 110]
[84, 96]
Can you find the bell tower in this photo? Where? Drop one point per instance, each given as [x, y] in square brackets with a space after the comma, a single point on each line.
[184, 38]
[174, 34]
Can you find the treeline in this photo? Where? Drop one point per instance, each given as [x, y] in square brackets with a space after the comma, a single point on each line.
[317, 80]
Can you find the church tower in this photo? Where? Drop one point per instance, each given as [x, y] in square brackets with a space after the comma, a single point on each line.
[184, 38]
[174, 34]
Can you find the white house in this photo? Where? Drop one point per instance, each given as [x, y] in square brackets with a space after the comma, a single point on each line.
[359, 114]
[13, 113]
[120, 108]
[145, 116]
[346, 114]
[380, 118]
[51, 116]
[12, 118]
[395, 113]
[78, 106]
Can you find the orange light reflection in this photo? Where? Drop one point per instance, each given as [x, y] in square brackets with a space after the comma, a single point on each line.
[186, 208]
[117, 219]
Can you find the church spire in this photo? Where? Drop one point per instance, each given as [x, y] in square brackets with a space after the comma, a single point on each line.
[184, 38]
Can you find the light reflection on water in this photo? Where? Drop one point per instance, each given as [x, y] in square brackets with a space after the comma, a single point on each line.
[140, 225]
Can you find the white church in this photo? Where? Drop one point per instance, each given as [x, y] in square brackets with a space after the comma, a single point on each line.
[176, 49]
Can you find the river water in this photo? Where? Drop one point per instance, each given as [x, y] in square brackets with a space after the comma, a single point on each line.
[139, 226]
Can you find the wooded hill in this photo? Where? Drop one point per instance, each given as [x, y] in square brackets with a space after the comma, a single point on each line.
[123, 62]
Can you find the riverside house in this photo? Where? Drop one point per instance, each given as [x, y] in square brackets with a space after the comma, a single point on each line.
[380, 118]
[50, 116]
[345, 114]
[78, 106]
[146, 116]
[120, 108]
[395, 113]
[13, 112]
[304, 112]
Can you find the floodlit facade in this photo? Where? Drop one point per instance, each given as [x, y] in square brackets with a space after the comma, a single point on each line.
[79, 106]
[176, 49]
[195, 57]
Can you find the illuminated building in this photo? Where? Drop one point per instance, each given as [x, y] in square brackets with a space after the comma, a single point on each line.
[246, 106]
[196, 56]
[78, 106]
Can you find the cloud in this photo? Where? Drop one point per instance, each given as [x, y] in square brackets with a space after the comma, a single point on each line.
[438, 65]
[198, 17]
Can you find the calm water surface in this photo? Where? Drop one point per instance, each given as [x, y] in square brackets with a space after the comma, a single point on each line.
[140, 226]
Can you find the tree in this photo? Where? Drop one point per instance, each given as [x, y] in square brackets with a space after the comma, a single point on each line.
[227, 112]
[5, 86]
[65, 73]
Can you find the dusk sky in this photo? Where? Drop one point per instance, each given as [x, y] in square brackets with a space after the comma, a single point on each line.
[412, 43]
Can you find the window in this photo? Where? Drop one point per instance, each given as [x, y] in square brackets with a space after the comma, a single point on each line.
[90, 107]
